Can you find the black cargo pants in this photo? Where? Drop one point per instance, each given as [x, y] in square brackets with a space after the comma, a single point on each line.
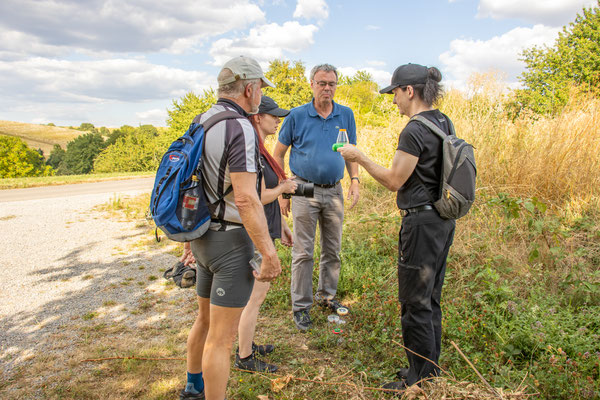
[424, 241]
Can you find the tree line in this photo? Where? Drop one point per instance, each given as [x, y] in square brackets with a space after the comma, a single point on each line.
[553, 74]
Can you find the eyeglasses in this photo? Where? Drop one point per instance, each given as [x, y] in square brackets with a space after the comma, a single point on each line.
[323, 84]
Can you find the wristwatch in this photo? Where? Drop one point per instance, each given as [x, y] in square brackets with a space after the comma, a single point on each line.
[355, 177]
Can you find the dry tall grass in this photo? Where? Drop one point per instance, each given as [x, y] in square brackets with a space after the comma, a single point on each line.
[555, 158]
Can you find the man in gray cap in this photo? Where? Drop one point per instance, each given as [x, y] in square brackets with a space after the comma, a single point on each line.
[425, 237]
[224, 279]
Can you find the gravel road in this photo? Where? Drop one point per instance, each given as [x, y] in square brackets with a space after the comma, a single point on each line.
[59, 257]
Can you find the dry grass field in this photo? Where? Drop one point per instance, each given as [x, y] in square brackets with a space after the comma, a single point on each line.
[39, 136]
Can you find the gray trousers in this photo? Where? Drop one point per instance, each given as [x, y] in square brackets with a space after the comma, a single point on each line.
[326, 208]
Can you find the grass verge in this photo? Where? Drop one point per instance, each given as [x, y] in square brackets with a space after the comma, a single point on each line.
[521, 301]
[19, 183]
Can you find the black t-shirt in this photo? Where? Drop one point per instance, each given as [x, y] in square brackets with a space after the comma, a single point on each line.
[416, 139]
[272, 211]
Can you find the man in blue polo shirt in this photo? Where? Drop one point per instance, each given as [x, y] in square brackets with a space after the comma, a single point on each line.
[311, 130]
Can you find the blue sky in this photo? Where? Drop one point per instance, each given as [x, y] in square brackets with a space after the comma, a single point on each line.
[116, 62]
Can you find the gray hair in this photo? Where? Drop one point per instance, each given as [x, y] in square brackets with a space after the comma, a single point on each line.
[235, 88]
[322, 67]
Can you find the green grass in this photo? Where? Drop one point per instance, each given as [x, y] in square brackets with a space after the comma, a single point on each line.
[521, 300]
[18, 183]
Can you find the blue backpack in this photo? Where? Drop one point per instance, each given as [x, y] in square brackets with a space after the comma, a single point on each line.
[180, 171]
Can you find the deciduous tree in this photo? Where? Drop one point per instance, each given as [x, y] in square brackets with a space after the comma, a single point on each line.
[293, 88]
[573, 60]
[17, 160]
[56, 156]
[183, 111]
[81, 153]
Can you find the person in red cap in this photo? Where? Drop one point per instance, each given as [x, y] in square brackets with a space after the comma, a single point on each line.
[425, 237]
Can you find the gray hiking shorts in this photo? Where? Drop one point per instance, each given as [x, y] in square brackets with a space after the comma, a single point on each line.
[224, 273]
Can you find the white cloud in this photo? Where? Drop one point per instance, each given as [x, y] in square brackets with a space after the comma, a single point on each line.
[372, 28]
[265, 43]
[42, 80]
[41, 27]
[308, 9]
[547, 12]
[382, 78]
[155, 116]
[467, 56]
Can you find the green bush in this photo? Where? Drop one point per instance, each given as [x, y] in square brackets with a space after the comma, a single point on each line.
[17, 160]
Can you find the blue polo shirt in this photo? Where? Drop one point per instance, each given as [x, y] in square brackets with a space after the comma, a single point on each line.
[311, 137]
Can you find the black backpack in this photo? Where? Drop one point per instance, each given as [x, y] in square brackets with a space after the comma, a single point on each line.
[457, 186]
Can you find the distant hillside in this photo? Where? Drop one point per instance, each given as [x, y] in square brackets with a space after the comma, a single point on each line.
[39, 136]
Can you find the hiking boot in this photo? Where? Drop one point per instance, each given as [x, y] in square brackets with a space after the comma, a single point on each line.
[252, 363]
[262, 349]
[333, 305]
[302, 320]
[192, 395]
[402, 374]
[399, 385]
[188, 278]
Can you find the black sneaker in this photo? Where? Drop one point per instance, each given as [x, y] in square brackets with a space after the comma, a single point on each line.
[402, 374]
[252, 363]
[262, 349]
[302, 320]
[185, 395]
[400, 386]
[333, 305]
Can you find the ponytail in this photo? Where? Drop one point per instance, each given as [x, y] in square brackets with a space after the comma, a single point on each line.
[431, 91]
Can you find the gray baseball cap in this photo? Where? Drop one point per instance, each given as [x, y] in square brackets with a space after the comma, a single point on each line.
[407, 74]
[245, 68]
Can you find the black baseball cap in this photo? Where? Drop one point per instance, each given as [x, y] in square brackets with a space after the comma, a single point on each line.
[407, 74]
[268, 106]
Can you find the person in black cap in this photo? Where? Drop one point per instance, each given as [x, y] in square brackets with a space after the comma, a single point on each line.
[265, 122]
[425, 237]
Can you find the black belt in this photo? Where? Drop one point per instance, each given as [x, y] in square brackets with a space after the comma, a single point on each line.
[326, 185]
[321, 185]
[407, 211]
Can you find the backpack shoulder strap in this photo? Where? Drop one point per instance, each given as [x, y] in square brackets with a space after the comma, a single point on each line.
[218, 117]
[433, 127]
[439, 133]
[209, 123]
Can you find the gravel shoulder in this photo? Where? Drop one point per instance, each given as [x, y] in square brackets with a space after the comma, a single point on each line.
[61, 260]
